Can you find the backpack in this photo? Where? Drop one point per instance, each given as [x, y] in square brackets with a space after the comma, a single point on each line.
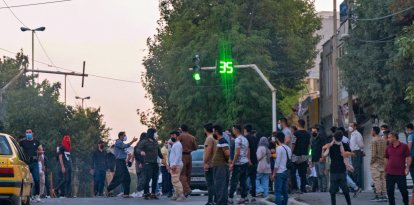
[289, 163]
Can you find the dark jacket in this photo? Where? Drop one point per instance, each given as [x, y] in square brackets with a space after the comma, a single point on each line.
[317, 144]
[151, 149]
[110, 162]
[99, 160]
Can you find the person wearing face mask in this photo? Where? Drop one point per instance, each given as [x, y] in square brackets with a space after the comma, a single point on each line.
[139, 166]
[65, 162]
[121, 170]
[149, 149]
[110, 164]
[98, 168]
[318, 160]
[30, 147]
[357, 146]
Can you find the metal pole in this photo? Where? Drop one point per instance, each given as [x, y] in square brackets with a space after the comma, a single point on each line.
[33, 32]
[82, 102]
[65, 88]
[334, 69]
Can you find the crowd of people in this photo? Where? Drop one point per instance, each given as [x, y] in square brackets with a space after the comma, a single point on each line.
[292, 160]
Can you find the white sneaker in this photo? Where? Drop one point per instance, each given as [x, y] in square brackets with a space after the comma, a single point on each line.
[37, 199]
[140, 194]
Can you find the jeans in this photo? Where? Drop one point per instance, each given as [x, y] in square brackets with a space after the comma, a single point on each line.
[338, 180]
[151, 174]
[221, 183]
[412, 169]
[166, 181]
[210, 185]
[34, 169]
[402, 186]
[252, 173]
[121, 176]
[351, 183]
[65, 181]
[262, 183]
[239, 175]
[99, 182]
[281, 188]
[322, 179]
[357, 163]
[302, 168]
[140, 178]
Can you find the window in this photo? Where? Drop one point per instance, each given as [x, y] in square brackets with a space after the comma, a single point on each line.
[197, 155]
[5, 146]
[21, 154]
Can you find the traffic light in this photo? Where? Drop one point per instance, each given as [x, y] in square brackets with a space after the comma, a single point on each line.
[196, 68]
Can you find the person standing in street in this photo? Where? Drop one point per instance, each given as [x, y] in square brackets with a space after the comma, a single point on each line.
[42, 170]
[357, 146]
[378, 146]
[252, 168]
[318, 160]
[166, 176]
[209, 149]
[284, 127]
[189, 144]
[150, 150]
[176, 165]
[337, 151]
[121, 170]
[98, 168]
[139, 166]
[300, 149]
[220, 164]
[30, 147]
[65, 164]
[397, 163]
[409, 129]
[110, 164]
[281, 173]
[263, 155]
[239, 166]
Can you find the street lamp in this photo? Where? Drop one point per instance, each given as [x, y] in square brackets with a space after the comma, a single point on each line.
[85, 98]
[33, 32]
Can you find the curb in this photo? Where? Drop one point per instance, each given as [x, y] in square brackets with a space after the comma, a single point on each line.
[292, 201]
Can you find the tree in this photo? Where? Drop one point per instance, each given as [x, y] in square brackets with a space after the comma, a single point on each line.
[277, 36]
[376, 67]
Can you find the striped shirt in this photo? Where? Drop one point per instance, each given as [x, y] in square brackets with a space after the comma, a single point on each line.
[219, 158]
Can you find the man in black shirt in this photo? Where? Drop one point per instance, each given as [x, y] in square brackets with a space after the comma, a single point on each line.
[30, 147]
[98, 168]
[318, 160]
[300, 148]
[337, 152]
[252, 169]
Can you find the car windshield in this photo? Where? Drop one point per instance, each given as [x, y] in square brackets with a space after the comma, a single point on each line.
[4, 146]
[197, 155]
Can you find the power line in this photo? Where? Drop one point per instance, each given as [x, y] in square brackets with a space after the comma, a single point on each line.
[387, 16]
[34, 4]
[15, 16]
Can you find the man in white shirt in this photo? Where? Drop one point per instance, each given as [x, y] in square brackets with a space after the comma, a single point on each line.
[357, 147]
[281, 173]
[176, 165]
[284, 127]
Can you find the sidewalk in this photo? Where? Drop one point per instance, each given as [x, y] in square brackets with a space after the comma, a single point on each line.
[324, 198]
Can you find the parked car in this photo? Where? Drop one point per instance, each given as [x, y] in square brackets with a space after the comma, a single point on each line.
[15, 177]
[198, 180]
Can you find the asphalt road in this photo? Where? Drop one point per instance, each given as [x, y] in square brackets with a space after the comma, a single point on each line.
[362, 199]
[193, 200]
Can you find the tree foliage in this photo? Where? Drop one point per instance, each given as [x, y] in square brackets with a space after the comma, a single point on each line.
[38, 107]
[376, 67]
[278, 36]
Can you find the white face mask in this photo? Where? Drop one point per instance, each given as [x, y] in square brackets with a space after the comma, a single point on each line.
[351, 129]
[155, 135]
[273, 139]
[381, 133]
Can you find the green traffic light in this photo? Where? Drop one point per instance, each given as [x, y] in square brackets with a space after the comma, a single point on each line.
[197, 76]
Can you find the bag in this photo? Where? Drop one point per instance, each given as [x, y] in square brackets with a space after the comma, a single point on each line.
[289, 163]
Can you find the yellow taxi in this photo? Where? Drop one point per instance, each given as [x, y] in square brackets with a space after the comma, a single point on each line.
[15, 177]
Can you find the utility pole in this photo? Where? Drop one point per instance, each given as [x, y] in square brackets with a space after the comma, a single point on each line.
[334, 67]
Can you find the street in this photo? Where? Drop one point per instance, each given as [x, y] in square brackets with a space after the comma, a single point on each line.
[194, 200]
[324, 198]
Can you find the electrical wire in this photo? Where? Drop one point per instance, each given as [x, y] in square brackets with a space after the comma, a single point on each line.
[33, 4]
[15, 16]
[384, 17]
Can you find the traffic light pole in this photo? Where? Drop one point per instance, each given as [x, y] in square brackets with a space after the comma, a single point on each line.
[263, 77]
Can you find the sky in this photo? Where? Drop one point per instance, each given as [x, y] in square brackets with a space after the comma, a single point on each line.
[109, 35]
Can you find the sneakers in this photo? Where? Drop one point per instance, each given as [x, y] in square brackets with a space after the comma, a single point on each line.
[140, 194]
[153, 196]
[253, 200]
[188, 194]
[230, 201]
[357, 192]
[242, 201]
[181, 198]
[376, 199]
[383, 199]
